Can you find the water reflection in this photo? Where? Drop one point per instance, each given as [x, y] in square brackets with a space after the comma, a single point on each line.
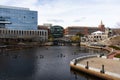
[83, 76]
[15, 65]
[44, 63]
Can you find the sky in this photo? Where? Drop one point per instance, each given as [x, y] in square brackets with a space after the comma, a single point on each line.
[73, 12]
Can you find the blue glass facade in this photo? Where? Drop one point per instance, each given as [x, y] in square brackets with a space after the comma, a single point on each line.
[18, 18]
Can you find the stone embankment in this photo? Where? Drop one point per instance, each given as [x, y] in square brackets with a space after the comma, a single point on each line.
[103, 68]
[17, 47]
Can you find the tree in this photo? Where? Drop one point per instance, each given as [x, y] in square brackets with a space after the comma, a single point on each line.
[50, 38]
[79, 34]
[75, 38]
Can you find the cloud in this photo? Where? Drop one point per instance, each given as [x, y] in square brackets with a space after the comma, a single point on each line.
[69, 12]
[79, 20]
[55, 20]
[20, 3]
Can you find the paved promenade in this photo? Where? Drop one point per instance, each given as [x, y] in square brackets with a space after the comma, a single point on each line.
[109, 64]
[112, 52]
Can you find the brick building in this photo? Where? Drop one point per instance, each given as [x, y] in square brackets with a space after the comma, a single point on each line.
[73, 30]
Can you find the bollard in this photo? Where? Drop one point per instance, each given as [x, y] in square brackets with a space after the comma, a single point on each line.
[75, 62]
[87, 66]
[101, 55]
[102, 71]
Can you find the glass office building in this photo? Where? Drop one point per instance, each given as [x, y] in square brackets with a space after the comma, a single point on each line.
[57, 31]
[18, 18]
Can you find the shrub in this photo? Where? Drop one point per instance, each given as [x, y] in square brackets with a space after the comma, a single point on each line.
[118, 56]
[115, 47]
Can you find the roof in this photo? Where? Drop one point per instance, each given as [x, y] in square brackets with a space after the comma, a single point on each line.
[98, 32]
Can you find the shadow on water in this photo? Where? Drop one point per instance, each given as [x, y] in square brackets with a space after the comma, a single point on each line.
[83, 75]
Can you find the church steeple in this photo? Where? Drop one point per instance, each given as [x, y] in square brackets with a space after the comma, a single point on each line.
[101, 26]
[101, 23]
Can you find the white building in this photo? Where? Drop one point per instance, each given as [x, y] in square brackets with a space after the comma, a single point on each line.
[96, 36]
[98, 33]
[39, 35]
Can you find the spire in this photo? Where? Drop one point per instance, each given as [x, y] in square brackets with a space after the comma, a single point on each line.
[101, 23]
[102, 26]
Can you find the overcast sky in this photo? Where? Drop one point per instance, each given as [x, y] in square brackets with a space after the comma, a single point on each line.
[72, 12]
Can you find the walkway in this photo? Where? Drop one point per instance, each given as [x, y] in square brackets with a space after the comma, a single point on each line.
[110, 56]
[112, 53]
[109, 64]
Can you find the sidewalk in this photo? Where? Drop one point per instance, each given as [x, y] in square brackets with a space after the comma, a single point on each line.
[113, 52]
[109, 64]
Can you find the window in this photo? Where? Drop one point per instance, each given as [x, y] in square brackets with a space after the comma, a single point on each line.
[32, 17]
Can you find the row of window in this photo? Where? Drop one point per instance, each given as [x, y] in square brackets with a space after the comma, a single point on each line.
[100, 37]
[24, 33]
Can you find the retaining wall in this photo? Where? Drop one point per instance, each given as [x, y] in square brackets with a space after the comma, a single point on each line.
[93, 71]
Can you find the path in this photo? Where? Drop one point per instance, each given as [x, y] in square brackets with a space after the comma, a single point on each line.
[109, 64]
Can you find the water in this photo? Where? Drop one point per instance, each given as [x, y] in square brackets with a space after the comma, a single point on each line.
[43, 63]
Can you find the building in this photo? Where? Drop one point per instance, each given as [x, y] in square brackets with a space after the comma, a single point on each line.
[43, 27]
[18, 23]
[47, 25]
[97, 36]
[34, 35]
[57, 31]
[101, 26]
[18, 18]
[73, 30]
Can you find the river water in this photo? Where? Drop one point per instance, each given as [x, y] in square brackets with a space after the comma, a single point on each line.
[43, 63]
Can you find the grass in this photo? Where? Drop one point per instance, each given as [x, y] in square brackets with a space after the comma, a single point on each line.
[115, 47]
[117, 56]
